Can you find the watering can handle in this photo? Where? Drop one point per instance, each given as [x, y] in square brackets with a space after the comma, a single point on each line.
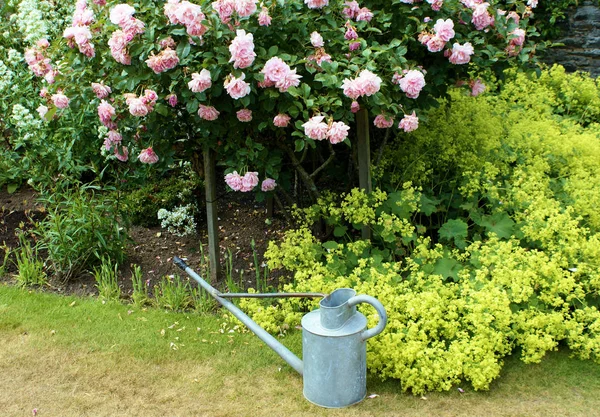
[367, 334]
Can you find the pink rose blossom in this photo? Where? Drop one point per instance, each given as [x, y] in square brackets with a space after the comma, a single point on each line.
[200, 82]
[168, 42]
[42, 43]
[281, 120]
[354, 107]
[42, 110]
[316, 40]
[291, 79]
[461, 54]
[263, 17]
[351, 88]
[316, 4]
[354, 46]
[244, 115]
[172, 99]
[137, 107]
[315, 128]
[532, 3]
[514, 16]
[444, 29]
[44, 92]
[121, 13]
[242, 49]
[234, 181]
[383, 122]
[245, 8]
[435, 44]
[208, 112]
[164, 61]
[481, 17]
[224, 9]
[249, 181]
[60, 100]
[123, 154]
[106, 112]
[518, 37]
[368, 83]
[409, 122]
[351, 10]
[412, 83]
[101, 90]
[268, 184]
[99, 2]
[237, 87]
[148, 156]
[350, 34]
[436, 5]
[364, 14]
[275, 69]
[337, 132]
[133, 27]
[477, 87]
[112, 139]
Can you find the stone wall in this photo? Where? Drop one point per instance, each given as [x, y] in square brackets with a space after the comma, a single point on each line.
[581, 39]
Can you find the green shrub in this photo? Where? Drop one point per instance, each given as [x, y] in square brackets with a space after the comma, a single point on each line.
[80, 229]
[486, 239]
[173, 293]
[106, 281]
[30, 268]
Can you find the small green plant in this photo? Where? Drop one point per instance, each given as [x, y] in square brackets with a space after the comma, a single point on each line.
[81, 229]
[202, 301]
[106, 281]
[232, 285]
[4, 265]
[30, 268]
[173, 293]
[261, 282]
[139, 296]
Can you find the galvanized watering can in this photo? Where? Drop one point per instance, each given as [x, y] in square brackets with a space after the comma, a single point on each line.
[333, 341]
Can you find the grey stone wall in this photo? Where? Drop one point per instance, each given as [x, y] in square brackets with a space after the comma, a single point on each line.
[581, 39]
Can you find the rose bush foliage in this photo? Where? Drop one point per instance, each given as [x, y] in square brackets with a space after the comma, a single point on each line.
[179, 76]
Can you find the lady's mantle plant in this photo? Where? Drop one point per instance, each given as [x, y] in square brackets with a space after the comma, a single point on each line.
[245, 77]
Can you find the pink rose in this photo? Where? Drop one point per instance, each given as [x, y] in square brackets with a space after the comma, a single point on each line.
[234, 181]
[101, 90]
[518, 37]
[350, 34]
[444, 29]
[316, 4]
[263, 17]
[337, 132]
[354, 107]
[477, 87]
[351, 88]
[137, 107]
[112, 139]
[172, 99]
[461, 54]
[383, 122]
[237, 87]
[200, 82]
[60, 100]
[316, 40]
[315, 128]
[249, 181]
[106, 112]
[42, 110]
[208, 112]
[291, 79]
[165, 60]
[435, 43]
[281, 120]
[168, 42]
[242, 49]
[121, 13]
[412, 83]
[364, 14]
[275, 69]
[148, 156]
[244, 115]
[409, 122]
[123, 154]
[224, 9]
[354, 46]
[42, 43]
[245, 8]
[268, 184]
[368, 83]
[481, 17]
[351, 10]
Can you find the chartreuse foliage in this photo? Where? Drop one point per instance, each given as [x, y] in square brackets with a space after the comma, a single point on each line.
[486, 239]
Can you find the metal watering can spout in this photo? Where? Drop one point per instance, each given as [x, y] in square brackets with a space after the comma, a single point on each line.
[334, 338]
[263, 335]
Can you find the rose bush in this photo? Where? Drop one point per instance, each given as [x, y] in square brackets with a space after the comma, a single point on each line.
[231, 74]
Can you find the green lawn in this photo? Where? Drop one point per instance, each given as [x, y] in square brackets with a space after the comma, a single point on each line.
[67, 356]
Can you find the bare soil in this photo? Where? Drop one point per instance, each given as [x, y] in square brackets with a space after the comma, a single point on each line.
[241, 220]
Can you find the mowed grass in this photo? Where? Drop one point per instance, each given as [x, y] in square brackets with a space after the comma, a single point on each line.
[67, 356]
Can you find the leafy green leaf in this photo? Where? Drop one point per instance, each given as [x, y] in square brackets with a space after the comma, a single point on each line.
[330, 245]
[455, 230]
[500, 224]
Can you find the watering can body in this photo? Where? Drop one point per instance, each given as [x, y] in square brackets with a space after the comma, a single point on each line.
[334, 349]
